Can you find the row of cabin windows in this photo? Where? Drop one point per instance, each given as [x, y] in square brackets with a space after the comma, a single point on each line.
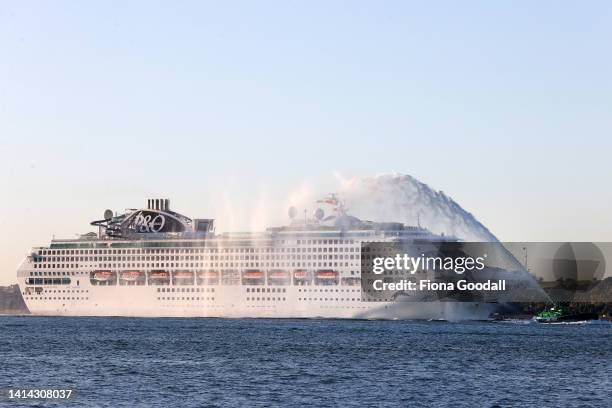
[328, 290]
[266, 290]
[251, 250]
[281, 242]
[55, 298]
[185, 298]
[48, 281]
[186, 289]
[60, 291]
[55, 273]
[204, 265]
[289, 254]
[273, 299]
[194, 258]
[331, 299]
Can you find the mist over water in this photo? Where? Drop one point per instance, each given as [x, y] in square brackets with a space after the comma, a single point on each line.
[402, 198]
[381, 198]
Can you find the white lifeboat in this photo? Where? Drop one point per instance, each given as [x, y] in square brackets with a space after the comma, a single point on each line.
[208, 275]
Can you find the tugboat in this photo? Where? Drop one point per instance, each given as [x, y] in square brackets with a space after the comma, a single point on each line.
[560, 314]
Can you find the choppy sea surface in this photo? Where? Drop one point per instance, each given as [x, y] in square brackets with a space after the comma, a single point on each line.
[215, 362]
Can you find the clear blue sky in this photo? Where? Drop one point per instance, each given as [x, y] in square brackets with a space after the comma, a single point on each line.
[506, 106]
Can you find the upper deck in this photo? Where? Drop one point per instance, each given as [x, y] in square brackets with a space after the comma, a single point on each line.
[159, 227]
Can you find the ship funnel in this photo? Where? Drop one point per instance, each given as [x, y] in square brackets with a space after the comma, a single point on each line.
[162, 204]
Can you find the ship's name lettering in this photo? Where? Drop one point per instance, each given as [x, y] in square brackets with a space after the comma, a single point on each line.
[148, 223]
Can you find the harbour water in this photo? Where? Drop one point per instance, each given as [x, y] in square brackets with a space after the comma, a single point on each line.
[216, 362]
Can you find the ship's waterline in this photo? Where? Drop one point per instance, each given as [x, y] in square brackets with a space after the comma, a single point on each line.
[156, 262]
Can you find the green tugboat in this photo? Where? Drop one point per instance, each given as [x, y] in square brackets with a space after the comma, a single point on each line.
[558, 314]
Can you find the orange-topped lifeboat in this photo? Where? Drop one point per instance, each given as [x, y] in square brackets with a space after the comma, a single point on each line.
[253, 277]
[162, 275]
[208, 275]
[278, 277]
[182, 277]
[253, 274]
[159, 277]
[103, 276]
[183, 274]
[327, 277]
[131, 276]
[278, 274]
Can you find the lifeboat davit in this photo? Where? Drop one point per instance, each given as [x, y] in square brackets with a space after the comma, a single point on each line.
[103, 276]
[253, 274]
[131, 275]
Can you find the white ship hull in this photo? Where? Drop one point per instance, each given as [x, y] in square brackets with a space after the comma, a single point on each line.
[231, 302]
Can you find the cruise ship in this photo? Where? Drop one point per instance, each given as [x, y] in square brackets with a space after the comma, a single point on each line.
[155, 262]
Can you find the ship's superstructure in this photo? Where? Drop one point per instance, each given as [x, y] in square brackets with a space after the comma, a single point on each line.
[156, 262]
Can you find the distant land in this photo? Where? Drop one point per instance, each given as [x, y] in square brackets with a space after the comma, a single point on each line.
[11, 301]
